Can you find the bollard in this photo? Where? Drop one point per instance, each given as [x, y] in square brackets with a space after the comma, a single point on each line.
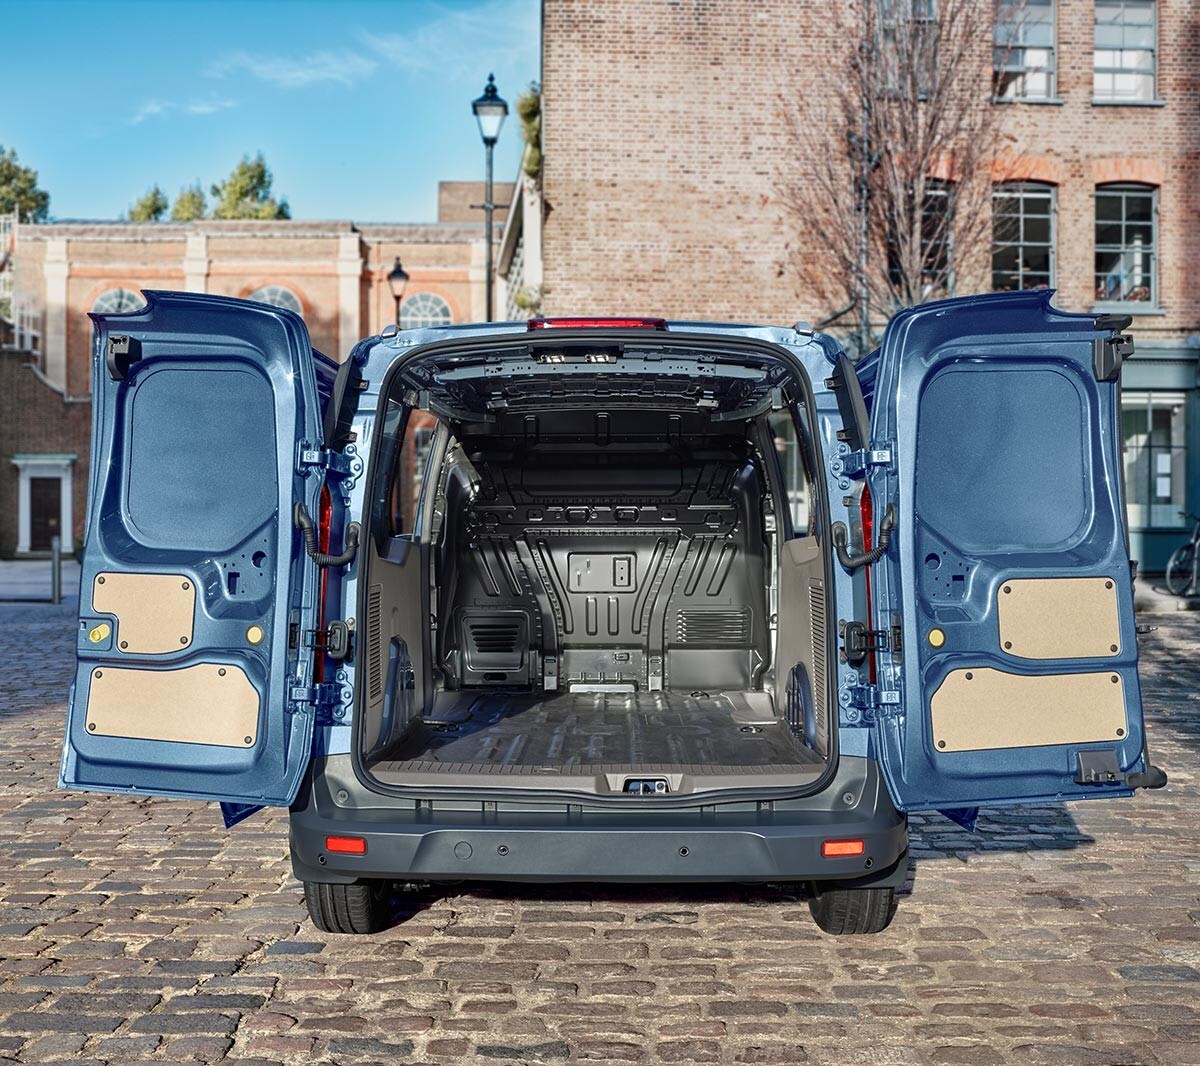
[55, 570]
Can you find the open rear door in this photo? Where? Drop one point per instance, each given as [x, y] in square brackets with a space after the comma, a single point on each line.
[195, 592]
[996, 435]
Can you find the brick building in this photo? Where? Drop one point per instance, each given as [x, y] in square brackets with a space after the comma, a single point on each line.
[332, 273]
[662, 170]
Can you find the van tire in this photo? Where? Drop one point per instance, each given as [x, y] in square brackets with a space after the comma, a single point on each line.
[359, 908]
[852, 910]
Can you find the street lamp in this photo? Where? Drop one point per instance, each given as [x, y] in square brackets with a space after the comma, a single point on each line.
[490, 110]
[398, 280]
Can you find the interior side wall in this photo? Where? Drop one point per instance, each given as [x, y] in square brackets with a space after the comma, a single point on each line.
[396, 672]
[801, 672]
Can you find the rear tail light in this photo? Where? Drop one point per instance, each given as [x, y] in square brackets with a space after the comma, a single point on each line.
[346, 845]
[866, 511]
[841, 849]
[597, 323]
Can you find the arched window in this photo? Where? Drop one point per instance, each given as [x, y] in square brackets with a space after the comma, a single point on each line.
[423, 309]
[1022, 236]
[117, 301]
[1126, 244]
[278, 296]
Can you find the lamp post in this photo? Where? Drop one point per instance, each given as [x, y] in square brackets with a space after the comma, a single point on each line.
[398, 280]
[490, 111]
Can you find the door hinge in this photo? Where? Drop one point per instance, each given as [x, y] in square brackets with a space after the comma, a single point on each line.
[333, 463]
[874, 701]
[856, 463]
[322, 697]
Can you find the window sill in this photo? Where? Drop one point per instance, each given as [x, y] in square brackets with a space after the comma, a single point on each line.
[1053, 101]
[1135, 309]
[1129, 103]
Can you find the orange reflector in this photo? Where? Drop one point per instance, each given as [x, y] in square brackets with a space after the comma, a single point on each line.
[346, 845]
[837, 849]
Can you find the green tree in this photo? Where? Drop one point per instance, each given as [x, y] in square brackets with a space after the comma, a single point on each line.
[19, 190]
[189, 204]
[529, 111]
[149, 208]
[246, 193]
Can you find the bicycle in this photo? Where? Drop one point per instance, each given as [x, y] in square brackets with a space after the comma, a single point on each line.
[1182, 566]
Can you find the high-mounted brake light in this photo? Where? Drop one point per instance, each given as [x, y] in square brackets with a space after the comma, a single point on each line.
[597, 323]
[840, 849]
[346, 845]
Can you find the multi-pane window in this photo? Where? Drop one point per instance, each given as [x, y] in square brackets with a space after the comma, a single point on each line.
[936, 251]
[1022, 236]
[1154, 430]
[278, 296]
[1124, 53]
[117, 301]
[907, 46]
[1023, 50]
[424, 309]
[1125, 243]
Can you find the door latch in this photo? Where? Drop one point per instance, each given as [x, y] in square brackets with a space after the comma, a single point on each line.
[859, 641]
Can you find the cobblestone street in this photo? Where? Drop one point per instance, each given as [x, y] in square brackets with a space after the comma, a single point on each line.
[140, 930]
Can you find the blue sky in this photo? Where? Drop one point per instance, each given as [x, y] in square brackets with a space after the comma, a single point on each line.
[359, 106]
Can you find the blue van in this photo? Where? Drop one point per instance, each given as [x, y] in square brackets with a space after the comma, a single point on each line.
[616, 600]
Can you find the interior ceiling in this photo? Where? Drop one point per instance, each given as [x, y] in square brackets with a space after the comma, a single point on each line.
[587, 373]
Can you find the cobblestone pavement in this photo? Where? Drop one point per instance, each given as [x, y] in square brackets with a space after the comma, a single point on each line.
[137, 930]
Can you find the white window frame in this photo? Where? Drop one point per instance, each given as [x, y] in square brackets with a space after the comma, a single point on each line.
[122, 300]
[425, 310]
[272, 295]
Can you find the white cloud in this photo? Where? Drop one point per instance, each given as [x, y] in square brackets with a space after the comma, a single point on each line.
[163, 108]
[151, 109]
[210, 107]
[452, 42]
[342, 68]
[457, 41]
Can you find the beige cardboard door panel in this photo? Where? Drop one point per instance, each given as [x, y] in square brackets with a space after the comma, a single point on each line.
[202, 704]
[983, 708]
[1059, 617]
[154, 612]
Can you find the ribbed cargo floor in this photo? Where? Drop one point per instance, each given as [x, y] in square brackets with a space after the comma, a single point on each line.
[604, 732]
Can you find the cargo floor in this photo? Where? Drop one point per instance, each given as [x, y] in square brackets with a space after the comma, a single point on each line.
[598, 733]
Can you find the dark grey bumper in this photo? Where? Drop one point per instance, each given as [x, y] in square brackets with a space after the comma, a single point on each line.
[778, 841]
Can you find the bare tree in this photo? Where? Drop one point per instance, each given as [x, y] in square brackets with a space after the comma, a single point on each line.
[890, 166]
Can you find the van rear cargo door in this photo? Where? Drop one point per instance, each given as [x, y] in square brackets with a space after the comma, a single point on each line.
[192, 676]
[996, 436]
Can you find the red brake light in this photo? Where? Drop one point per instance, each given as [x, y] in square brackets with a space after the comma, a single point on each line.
[346, 845]
[597, 323]
[840, 849]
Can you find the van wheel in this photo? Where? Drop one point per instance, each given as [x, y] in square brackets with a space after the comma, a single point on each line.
[360, 908]
[852, 910]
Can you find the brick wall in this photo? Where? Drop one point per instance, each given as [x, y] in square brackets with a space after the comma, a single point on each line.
[664, 150]
[37, 419]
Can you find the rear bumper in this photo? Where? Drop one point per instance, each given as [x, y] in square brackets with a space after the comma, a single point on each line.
[768, 842]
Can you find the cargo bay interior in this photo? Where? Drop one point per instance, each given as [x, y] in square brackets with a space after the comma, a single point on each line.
[587, 568]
